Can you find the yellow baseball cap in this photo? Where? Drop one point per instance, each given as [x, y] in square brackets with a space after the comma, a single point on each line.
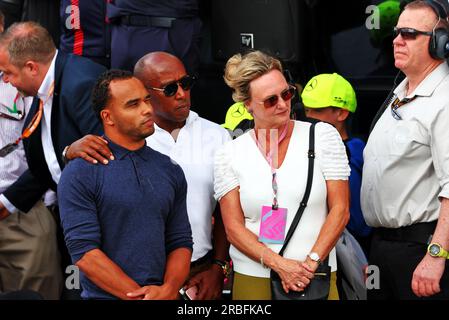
[329, 90]
[236, 114]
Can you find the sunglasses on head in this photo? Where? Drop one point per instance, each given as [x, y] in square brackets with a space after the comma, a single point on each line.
[409, 33]
[171, 88]
[286, 95]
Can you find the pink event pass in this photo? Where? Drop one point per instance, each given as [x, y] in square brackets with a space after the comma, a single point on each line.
[272, 225]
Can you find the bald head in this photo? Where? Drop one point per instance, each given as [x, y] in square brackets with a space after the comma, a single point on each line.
[161, 74]
[153, 65]
[26, 41]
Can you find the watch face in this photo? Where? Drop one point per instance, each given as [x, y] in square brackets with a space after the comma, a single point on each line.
[434, 250]
[314, 256]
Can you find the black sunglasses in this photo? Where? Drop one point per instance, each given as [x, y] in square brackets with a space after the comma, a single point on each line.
[286, 95]
[409, 33]
[170, 89]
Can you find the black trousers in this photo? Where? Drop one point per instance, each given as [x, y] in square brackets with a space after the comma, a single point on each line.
[397, 260]
[129, 43]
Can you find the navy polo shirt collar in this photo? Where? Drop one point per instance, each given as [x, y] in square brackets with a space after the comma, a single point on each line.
[120, 152]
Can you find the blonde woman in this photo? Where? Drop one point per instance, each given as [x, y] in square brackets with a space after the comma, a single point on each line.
[267, 167]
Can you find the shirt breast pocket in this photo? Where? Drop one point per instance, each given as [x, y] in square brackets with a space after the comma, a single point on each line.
[408, 139]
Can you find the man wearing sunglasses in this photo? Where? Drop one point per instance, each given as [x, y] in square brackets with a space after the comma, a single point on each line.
[405, 184]
[190, 141]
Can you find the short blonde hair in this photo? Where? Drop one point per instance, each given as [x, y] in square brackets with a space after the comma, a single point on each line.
[240, 70]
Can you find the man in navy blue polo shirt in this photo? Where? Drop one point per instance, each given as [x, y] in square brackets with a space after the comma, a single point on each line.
[126, 224]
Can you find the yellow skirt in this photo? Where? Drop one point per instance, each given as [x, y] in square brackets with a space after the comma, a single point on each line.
[255, 288]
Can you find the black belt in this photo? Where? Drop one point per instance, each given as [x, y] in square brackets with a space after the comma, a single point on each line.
[418, 232]
[207, 257]
[146, 21]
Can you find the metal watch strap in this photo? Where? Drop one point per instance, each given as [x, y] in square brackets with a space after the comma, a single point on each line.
[223, 265]
[64, 155]
[219, 262]
[316, 259]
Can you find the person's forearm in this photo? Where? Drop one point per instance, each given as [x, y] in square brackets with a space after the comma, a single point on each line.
[240, 236]
[441, 234]
[106, 274]
[245, 241]
[329, 234]
[336, 220]
[221, 244]
[177, 269]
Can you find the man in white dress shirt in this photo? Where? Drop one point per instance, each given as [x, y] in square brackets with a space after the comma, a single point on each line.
[190, 141]
[61, 111]
[25, 264]
[405, 187]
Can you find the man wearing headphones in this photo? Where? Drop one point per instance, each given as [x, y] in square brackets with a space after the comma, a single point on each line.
[405, 186]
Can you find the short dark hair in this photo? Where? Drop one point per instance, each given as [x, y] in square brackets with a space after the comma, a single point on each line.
[101, 93]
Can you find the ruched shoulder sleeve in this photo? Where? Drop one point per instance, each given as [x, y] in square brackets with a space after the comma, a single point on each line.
[331, 153]
[225, 178]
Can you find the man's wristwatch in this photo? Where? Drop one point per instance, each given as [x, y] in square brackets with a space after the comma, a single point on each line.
[224, 266]
[64, 154]
[436, 250]
[314, 257]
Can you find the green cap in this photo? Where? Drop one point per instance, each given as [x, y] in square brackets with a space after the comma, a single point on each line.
[329, 90]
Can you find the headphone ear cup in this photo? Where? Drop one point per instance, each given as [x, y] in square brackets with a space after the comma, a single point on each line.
[438, 42]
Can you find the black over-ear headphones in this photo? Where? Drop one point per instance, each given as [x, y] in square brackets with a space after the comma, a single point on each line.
[439, 41]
